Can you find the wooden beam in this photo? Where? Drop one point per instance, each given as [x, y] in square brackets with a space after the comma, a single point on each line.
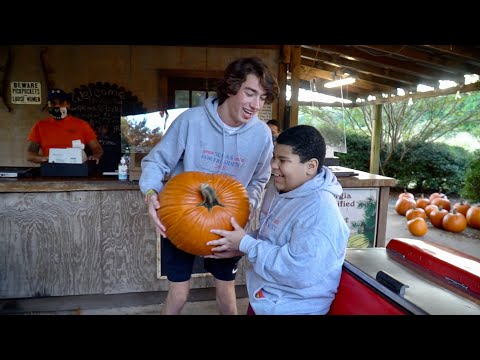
[286, 54]
[162, 92]
[470, 54]
[455, 67]
[393, 85]
[295, 84]
[376, 140]
[308, 73]
[359, 66]
[423, 95]
[191, 73]
[396, 64]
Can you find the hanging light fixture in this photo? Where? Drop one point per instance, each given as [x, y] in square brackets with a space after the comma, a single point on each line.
[340, 82]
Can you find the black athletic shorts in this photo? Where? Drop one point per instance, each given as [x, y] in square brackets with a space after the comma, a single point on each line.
[178, 264]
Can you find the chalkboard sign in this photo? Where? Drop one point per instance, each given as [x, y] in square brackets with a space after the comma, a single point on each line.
[102, 104]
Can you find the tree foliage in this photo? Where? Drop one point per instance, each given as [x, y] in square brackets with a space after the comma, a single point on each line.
[138, 136]
[426, 120]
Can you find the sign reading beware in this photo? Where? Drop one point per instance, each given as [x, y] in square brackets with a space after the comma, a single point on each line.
[26, 92]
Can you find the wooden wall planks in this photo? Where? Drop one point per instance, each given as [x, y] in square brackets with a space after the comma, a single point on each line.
[80, 243]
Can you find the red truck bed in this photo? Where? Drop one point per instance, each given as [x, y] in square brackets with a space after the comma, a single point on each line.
[408, 277]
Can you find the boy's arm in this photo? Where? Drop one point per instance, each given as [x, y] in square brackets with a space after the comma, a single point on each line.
[298, 263]
[162, 159]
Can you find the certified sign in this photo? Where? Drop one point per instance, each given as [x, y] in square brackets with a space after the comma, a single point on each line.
[26, 92]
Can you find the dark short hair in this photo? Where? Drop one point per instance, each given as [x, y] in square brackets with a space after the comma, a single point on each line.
[275, 123]
[306, 141]
[236, 74]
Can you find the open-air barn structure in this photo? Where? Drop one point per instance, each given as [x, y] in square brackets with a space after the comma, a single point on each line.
[69, 237]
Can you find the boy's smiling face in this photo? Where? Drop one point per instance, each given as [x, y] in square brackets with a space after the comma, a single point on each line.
[289, 173]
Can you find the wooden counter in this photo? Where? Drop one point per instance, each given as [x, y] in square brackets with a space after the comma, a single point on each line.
[82, 236]
[55, 184]
[78, 236]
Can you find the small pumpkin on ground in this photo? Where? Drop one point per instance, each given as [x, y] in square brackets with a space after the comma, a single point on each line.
[417, 226]
[416, 212]
[429, 209]
[406, 194]
[192, 203]
[473, 217]
[404, 204]
[422, 202]
[443, 202]
[462, 207]
[454, 221]
[436, 217]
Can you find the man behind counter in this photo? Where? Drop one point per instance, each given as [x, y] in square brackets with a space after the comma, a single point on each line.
[58, 130]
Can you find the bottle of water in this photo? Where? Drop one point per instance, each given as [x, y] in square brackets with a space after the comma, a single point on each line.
[123, 169]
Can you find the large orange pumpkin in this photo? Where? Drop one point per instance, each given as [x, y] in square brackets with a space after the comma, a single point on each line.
[192, 203]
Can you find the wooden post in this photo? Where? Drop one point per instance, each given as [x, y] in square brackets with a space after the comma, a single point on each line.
[162, 92]
[376, 139]
[295, 84]
[282, 97]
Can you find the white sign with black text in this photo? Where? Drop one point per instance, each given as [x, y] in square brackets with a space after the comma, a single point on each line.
[26, 92]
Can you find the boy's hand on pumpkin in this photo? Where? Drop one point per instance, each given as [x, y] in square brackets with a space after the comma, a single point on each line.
[230, 240]
[153, 206]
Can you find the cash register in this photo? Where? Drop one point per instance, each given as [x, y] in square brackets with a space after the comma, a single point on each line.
[67, 162]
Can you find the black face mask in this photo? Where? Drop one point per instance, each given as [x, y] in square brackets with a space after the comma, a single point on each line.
[57, 112]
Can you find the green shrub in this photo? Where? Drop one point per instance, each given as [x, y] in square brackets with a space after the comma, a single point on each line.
[358, 152]
[471, 189]
[426, 167]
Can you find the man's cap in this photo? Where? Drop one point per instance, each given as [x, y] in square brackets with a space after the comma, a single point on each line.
[57, 94]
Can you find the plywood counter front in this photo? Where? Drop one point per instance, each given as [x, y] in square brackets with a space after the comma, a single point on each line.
[77, 236]
[81, 236]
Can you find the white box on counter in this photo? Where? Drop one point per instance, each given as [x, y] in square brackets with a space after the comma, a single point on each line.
[67, 156]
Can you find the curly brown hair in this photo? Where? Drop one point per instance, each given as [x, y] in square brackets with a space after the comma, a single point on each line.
[236, 74]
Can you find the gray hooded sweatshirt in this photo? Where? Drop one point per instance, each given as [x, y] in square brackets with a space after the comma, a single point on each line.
[199, 141]
[296, 256]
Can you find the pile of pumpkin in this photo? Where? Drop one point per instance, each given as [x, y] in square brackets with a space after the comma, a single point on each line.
[439, 210]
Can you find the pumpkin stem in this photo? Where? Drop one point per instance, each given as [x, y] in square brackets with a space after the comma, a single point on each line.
[209, 197]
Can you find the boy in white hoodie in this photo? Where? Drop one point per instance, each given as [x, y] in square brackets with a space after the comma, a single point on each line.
[223, 136]
[297, 253]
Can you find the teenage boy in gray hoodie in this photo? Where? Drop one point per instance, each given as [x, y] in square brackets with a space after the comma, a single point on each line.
[223, 136]
[298, 251]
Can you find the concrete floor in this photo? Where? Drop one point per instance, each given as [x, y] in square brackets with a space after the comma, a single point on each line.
[206, 307]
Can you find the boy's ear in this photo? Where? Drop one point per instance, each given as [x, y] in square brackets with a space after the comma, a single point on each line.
[312, 166]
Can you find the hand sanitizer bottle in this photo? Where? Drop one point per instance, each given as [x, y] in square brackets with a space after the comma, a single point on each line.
[123, 169]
